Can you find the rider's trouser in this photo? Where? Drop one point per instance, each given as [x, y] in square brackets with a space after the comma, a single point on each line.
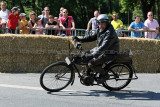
[96, 63]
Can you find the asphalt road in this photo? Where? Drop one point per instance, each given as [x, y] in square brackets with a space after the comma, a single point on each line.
[23, 90]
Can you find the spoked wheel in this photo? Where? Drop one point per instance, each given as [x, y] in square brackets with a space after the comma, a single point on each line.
[56, 77]
[120, 77]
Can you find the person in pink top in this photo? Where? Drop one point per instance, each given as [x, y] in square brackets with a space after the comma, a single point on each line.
[152, 25]
[66, 22]
[38, 25]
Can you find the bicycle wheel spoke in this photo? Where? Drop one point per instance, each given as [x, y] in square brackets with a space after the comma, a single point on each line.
[56, 77]
[120, 76]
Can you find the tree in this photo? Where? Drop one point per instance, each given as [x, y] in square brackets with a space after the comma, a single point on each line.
[157, 5]
[146, 5]
[82, 10]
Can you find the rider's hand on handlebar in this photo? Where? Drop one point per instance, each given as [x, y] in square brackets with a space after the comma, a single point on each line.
[87, 56]
[76, 38]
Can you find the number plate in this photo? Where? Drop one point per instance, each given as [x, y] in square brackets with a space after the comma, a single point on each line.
[67, 60]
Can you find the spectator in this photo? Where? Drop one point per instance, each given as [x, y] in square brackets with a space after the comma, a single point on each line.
[38, 25]
[32, 21]
[4, 13]
[42, 15]
[52, 24]
[1, 31]
[93, 21]
[23, 25]
[116, 23]
[56, 19]
[61, 12]
[66, 22]
[152, 25]
[137, 26]
[46, 16]
[0, 22]
[13, 20]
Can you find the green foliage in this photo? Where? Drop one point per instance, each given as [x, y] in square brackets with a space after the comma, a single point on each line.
[82, 10]
[128, 5]
[138, 11]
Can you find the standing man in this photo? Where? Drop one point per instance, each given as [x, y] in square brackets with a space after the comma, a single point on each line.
[93, 21]
[136, 27]
[152, 25]
[61, 12]
[66, 22]
[116, 23]
[46, 16]
[42, 15]
[4, 13]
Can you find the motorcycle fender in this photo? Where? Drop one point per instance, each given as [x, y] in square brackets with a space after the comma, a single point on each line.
[71, 67]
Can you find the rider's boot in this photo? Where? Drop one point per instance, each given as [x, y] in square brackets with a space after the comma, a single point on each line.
[103, 76]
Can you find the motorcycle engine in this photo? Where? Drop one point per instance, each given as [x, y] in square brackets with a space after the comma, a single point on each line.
[87, 80]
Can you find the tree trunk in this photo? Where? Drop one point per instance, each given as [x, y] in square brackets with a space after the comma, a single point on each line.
[33, 5]
[82, 12]
[158, 19]
[21, 7]
[146, 7]
[13, 3]
[110, 6]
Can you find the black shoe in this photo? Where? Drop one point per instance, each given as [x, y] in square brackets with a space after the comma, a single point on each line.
[103, 78]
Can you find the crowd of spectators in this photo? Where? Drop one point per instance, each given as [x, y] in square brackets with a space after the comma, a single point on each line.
[150, 26]
[42, 24]
[64, 24]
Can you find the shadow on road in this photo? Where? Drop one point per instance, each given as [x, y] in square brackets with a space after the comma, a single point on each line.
[123, 94]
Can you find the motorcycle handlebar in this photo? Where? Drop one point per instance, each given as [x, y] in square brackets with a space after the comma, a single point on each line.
[77, 45]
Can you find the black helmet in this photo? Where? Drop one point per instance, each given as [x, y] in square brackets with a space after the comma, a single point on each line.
[102, 18]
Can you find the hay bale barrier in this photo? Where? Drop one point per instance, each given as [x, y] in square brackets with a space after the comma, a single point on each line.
[146, 53]
[32, 53]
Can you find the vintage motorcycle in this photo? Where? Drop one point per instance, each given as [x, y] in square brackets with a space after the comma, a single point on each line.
[59, 75]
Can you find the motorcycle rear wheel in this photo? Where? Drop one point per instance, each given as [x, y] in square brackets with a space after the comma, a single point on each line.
[120, 76]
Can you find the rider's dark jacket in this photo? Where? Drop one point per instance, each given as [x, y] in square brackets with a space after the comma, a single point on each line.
[108, 42]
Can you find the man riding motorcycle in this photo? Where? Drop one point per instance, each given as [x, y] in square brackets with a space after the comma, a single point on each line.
[106, 49]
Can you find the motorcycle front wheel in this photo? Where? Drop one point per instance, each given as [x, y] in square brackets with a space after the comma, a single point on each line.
[56, 77]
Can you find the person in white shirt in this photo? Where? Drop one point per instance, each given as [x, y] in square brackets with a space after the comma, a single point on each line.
[4, 13]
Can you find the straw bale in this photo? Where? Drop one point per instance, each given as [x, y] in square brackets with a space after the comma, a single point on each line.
[145, 61]
[28, 53]
[32, 53]
[138, 44]
[5, 67]
[158, 45]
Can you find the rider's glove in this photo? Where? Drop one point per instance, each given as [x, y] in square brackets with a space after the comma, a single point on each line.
[87, 56]
[76, 38]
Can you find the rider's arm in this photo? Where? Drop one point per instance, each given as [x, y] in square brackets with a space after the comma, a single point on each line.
[89, 37]
[109, 40]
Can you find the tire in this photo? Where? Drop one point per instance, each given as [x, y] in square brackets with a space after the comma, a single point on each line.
[120, 77]
[56, 77]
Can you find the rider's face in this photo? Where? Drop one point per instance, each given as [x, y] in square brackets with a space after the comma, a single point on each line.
[102, 25]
